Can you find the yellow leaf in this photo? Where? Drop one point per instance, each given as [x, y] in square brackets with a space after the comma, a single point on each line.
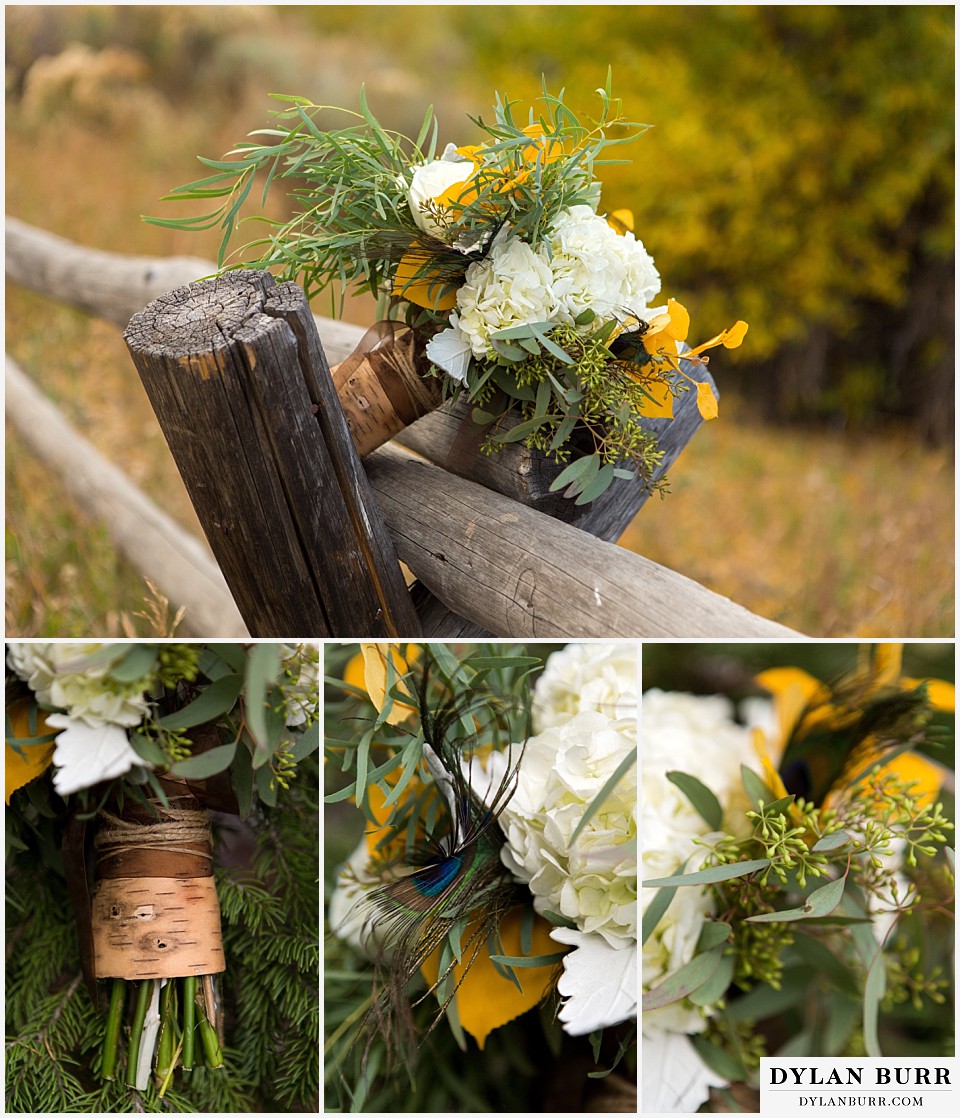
[20, 770]
[485, 999]
[661, 406]
[375, 657]
[421, 285]
[942, 695]
[735, 335]
[621, 221]
[679, 320]
[706, 401]
[913, 768]
[353, 672]
[793, 690]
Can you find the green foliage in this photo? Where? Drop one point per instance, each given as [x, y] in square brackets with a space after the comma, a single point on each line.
[270, 918]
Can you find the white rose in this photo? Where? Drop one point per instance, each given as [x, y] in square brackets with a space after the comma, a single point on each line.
[600, 677]
[430, 180]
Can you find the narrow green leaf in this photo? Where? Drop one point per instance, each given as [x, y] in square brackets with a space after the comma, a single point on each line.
[528, 961]
[621, 770]
[717, 985]
[655, 911]
[570, 473]
[700, 796]
[263, 670]
[755, 787]
[137, 663]
[600, 484]
[710, 876]
[821, 902]
[712, 934]
[873, 991]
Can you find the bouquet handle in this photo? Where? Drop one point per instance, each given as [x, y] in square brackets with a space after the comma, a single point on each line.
[382, 385]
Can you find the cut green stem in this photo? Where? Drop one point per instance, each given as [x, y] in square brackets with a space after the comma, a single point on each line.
[136, 1030]
[189, 1019]
[165, 1046]
[111, 1039]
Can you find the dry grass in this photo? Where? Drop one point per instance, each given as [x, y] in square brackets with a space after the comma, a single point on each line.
[829, 534]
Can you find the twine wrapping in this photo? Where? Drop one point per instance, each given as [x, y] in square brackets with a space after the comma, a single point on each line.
[179, 830]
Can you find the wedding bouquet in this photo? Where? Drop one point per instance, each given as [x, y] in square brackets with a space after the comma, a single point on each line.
[498, 277]
[115, 753]
[497, 871]
[790, 863]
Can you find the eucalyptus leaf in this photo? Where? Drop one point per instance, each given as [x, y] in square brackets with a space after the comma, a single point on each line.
[213, 701]
[205, 764]
[137, 663]
[655, 911]
[755, 787]
[684, 981]
[704, 802]
[717, 985]
[263, 670]
[831, 842]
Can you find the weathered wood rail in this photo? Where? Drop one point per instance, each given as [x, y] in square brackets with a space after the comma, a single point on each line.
[484, 562]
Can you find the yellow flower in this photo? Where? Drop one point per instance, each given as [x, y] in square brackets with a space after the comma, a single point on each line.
[415, 281]
[660, 340]
[21, 768]
[485, 999]
[804, 705]
[621, 221]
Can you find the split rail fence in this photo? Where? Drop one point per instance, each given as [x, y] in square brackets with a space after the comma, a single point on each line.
[306, 539]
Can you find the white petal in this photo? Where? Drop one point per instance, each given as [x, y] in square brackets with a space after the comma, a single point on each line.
[86, 754]
[675, 1079]
[449, 350]
[599, 981]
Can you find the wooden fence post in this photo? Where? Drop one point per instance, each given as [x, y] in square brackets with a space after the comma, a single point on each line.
[236, 375]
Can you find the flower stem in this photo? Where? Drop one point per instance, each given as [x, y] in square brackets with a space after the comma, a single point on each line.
[189, 1019]
[112, 1036]
[212, 1052]
[136, 1030]
[164, 1065]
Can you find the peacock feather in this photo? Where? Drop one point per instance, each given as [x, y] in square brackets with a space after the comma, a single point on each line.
[445, 889]
[853, 727]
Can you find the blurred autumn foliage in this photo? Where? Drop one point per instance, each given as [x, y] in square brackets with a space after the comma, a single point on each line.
[799, 173]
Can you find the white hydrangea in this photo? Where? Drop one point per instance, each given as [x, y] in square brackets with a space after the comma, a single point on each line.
[67, 677]
[697, 735]
[592, 880]
[511, 286]
[600, 677]
[596, 268]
